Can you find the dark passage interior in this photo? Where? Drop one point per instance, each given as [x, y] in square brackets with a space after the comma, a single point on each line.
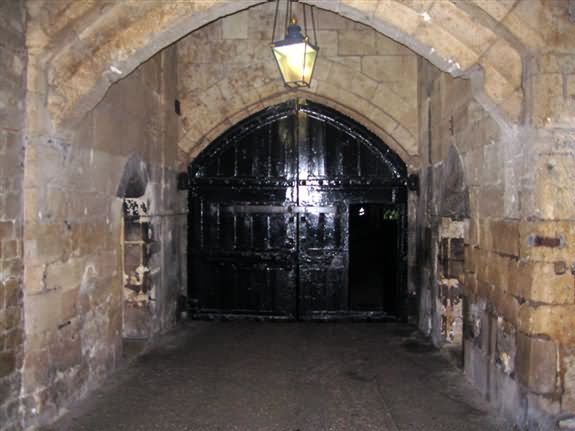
[275, 223]
[374, 232]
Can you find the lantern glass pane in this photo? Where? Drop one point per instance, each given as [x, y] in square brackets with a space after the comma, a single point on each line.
[296, 62]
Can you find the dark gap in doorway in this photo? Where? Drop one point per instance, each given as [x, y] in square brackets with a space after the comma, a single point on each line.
[374, 258]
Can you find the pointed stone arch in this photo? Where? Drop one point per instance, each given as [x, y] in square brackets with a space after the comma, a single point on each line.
[78, 50]
[193, 142]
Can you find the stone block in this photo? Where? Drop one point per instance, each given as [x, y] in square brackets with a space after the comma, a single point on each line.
[481, 258]
[10, 249]
[67, 347]
[497, 9]
[70, 303]
[43, 312]
[6, 230]
[548, 96]
[549, 287]
[519, 278]
[505, 237]
[151, 74]
[390, 68]
[447, 46]
[328, 42]
[360, 85]
[381, 118]
[568, 368]
[401, 16]
[14, 339]
[13, 293]
[536, 363]
[506, 347]
[353, 42]
[8, 389]
[492, 169]
[56, 204]
[491, 201]
[555, 321]
[12, 205]
[471, 32]
[387, 46]
[473, 161]
[496, 272]
[497, 86]
[507, 61]
[472, 238]
[199, 76]
[39, 369]
[553, 192]
[570, 87]
[506, 306]
[12, 318]
[516, 21]
[7, 363]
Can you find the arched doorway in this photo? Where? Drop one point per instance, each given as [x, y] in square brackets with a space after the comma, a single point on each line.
[298, 212]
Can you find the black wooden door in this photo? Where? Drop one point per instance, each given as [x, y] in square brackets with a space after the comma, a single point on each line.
[269, 208]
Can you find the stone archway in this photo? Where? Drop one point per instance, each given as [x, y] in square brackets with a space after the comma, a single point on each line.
[85, 47]
[225, 73]
[79, 49]
[192, 144]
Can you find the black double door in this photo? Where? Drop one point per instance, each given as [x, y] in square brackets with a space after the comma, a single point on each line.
[270, 216]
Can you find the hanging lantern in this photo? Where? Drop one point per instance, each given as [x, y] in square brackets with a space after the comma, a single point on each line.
[295, 55]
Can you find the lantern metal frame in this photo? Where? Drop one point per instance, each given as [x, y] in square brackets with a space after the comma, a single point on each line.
[295, 55]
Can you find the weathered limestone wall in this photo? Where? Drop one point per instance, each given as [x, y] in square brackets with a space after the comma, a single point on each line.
[468, 238]
[12, 132]
[519, 220]
[74, 293]
[518, 288]
[546, 241]
[453, 35]
[458, 186]
[227, 72]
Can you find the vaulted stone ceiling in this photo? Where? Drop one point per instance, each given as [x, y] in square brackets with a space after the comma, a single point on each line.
[226, 72]
[86, 45]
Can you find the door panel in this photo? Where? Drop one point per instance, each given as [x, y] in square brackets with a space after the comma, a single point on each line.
[269, 212]
[322, 257]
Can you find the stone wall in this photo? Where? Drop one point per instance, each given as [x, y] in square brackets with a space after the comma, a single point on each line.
[12, 135]
[465, 241]
[546, 240]
[227, 72]
[510, 186]
[455, 36]
[74, 294]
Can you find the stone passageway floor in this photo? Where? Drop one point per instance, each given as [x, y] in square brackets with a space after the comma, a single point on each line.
[254, 376]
